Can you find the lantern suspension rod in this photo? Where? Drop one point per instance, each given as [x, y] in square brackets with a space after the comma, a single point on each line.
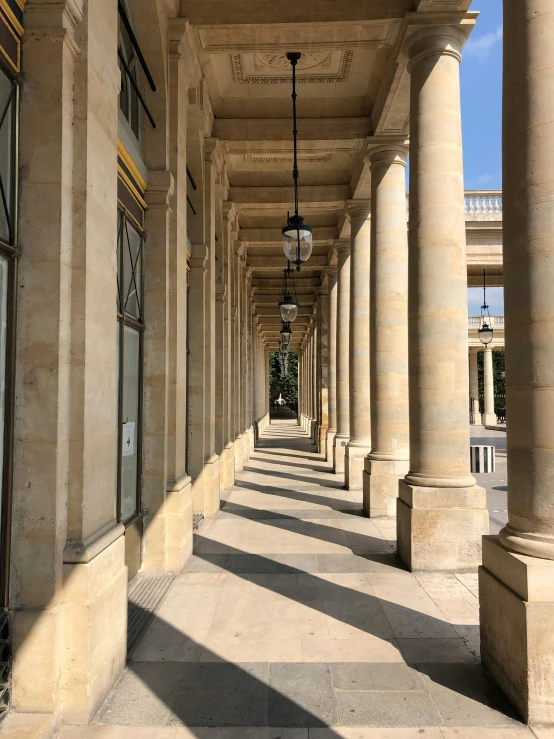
[293, 57]
[484, 306]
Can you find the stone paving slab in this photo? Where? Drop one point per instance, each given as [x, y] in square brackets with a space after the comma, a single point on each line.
[294, 619]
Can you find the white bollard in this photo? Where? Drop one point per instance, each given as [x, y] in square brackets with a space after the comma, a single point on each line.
[482, 458]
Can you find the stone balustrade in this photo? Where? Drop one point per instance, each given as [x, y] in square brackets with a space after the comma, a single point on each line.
[480, 205]
[476, 321]
[484, 204]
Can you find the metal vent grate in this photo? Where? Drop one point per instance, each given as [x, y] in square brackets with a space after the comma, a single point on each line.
[4, 664]
[197, 517]
[144, 597]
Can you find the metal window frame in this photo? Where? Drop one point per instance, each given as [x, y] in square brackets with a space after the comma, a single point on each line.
[124, 319]
[11, 253]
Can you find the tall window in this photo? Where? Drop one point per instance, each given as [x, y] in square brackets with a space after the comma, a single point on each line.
[131, 78]
[9, 106]
[131, 326]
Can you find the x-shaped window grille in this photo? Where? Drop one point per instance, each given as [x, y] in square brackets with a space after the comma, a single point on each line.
[129, 285]
[6, 191]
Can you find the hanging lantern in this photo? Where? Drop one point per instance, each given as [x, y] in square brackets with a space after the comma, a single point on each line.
[486, 331]
[286, 335]
[288, 306]
[297, 240]
[297, 236]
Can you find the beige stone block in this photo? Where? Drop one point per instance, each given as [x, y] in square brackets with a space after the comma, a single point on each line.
[354, 467]
[445, 537]
[339, 454]
[93, 656]
[517, 634]
[36, 647]
[380, 486]
[27, 726]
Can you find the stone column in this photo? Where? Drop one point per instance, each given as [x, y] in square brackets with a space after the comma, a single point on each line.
[68, 573]
[516, 584]
[238, 357]
[227, 459]
[323, 371]
[332, 396]
[315, 384]
[213, 165]
[359, 443]
[387, 462]
[489, 416]
[474, 385]
[342, 362]
[441, 512]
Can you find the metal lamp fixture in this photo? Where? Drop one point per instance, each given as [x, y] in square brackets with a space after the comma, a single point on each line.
[297, 236]
[288, 306]
[485, 333]
[286, 335]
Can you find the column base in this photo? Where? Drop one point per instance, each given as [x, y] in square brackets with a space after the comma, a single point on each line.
[339, 453]
[239, 454]
[247, 443]
[322, 440]
[380, 485]
[329, 443]
[69, 642]
[211, 477]
[227, 466]
[354, 466]
[488, 419]
[167, 543]
[516, 597]
[441, 528]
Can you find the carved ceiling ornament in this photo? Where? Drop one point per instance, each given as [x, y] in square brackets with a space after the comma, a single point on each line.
[310, 60]
[275, 63]
[287, 158]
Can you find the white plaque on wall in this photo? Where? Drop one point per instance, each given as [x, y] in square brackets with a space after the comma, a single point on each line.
[128, 444]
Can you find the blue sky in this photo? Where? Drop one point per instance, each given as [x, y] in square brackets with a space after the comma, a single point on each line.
[481, 81]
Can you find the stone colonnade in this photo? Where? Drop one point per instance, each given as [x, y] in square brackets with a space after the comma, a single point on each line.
[204, 372]
[419, 462]
[488, 418]
[401, 368]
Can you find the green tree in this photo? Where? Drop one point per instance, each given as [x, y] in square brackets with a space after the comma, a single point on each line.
[286, 386]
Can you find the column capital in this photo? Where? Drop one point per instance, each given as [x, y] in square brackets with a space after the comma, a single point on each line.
[199, 256]
[388, 150]
[434, 40]
[358, 210]
[160, 189]
[342, 247]
[213, 152]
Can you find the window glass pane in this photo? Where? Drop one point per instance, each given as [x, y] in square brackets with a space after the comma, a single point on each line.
[3, 348]
[130, 422]
[132, 271]
[7, 154]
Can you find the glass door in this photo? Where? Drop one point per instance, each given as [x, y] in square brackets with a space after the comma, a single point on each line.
[130, 340]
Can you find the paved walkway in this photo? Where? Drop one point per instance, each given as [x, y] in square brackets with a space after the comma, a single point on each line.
[295, 620]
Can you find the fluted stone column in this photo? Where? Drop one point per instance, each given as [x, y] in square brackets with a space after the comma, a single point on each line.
[489, 416]
[332, 395]
[474, 386]
[441, 512]
[388, 462]
[359, 443]
[516, 584]
[342, 361]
